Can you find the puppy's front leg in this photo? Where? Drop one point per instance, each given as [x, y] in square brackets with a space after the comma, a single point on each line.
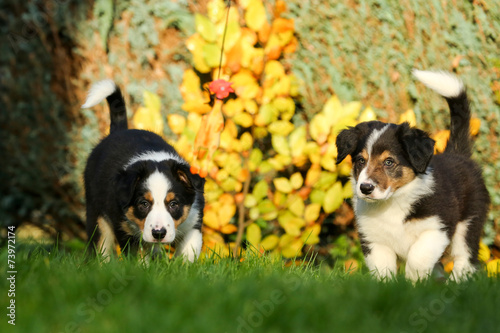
[190, 246]
[424, 254]
[381, 260]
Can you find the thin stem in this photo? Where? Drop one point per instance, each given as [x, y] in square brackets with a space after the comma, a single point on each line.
[241, 214]
[224, 39]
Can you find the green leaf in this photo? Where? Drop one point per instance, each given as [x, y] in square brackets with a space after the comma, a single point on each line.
[103, 11]
[205, 28]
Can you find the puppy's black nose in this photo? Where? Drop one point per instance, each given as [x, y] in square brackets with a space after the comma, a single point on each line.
[366, 188]
[159, 233]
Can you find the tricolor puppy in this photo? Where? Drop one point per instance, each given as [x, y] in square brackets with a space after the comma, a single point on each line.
[411, 204]
[139, 191]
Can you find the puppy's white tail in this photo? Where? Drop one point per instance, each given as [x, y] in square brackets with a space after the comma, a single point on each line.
[107, 89]
[453, 90]
[444, 83]
[98, 92]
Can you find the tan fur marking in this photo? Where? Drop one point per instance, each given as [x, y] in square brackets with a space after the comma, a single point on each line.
[170, 196]
[149, 197]
[408, 176]
[126, 227]
[184, 216]
[107, 240]
[131, 217]
[377, 172]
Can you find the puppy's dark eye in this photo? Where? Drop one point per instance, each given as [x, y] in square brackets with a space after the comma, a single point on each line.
[360, 161]
[173, 204]
[144, 205]
[389, 162]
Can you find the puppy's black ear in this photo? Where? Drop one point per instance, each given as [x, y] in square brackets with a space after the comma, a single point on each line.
[417, 145]
[127, 181]
[190, 180]
[346, 142]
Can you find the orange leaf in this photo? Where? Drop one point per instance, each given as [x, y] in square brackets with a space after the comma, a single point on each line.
[228, 229]
[208, 138]
[283, 25]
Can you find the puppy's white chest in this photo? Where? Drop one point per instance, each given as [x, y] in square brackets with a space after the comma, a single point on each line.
[386, 225]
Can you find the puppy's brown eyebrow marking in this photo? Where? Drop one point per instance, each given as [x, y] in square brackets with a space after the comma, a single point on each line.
[148, 196]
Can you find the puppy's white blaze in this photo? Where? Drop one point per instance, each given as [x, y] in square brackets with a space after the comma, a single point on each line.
[444, 83]
[460, 253]
[156, 156]
[158, 217]
[374, 136]
[98, 92]
[190, 246]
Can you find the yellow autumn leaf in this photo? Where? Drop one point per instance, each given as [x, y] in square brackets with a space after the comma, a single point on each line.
[352, 109]
[253, 213]
[255, 159]
[205, 28]
[475, 125]
[176, 122]
[149, 117]
[332, 110]
[216, 10]
[347, 191]
[246, 141]
[409, 117]
[211, 55]
[333, 198]
[250, 201]
[280, 145]
[310, 234]
[227, 210]
[296, 180]
[296, 205]
[493, 268]
[285, 107]
[269, 242]
[290, 246]
[441, 139]
[281, 127]
[233, 34]
[211, 219]
[254, 235]
[484, 252]
[228, 229]
[245, 85]
[298, 140]
[232, 107]
[255, 15]
[319, 128]
[260, 190]
[291, 223]
[243, 119]
[251, 106]
[273, 47]
[282, 184]
[313, 175]
[367, 115]
[311, 213]
[267, 114]
[190, 86]
[273, 70]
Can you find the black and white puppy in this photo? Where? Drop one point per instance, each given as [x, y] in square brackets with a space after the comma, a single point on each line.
[139, 191]
[411, 204]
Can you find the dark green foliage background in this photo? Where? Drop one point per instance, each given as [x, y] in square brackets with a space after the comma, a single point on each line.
[361, 50]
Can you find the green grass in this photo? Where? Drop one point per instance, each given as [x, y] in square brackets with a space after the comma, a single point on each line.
[61, 292]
